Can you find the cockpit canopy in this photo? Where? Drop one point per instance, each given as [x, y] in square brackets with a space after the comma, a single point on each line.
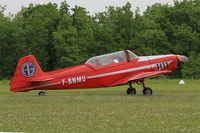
[112, 58]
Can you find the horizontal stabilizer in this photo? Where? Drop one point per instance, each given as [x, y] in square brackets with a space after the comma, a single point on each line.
[43, 79]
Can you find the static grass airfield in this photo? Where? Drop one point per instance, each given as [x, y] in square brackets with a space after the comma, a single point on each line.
[171, 108]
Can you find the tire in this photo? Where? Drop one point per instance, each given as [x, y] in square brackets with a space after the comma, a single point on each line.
[41, 93]
[131, 91]
[147, 91]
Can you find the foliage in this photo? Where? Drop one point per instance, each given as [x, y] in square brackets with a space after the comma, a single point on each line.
[192, 68]
[61, 36]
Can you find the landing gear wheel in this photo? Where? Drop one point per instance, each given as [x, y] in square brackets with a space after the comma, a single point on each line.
[147, 91]
[131, 91]
[41, 93]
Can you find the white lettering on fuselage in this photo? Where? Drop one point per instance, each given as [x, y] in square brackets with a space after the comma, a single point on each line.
[74, 80]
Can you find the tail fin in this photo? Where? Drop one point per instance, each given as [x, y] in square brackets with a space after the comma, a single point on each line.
[26, 70]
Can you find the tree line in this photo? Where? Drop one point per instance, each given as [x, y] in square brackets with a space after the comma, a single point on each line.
[60, 36]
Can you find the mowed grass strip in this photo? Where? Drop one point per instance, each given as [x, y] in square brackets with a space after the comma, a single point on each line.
[171, 108]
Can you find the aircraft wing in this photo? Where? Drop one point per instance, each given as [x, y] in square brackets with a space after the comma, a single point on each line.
[140, 76]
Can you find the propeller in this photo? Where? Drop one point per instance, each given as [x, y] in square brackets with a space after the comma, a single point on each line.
[182, 58]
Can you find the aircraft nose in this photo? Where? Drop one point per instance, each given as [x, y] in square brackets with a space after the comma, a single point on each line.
[182, 58]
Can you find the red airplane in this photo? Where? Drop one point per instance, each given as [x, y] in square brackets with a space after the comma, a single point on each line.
[114, 69]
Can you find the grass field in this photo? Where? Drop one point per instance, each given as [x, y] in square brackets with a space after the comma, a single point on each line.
[172, 108]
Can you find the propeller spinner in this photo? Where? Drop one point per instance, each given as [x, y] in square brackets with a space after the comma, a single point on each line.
[182, 58]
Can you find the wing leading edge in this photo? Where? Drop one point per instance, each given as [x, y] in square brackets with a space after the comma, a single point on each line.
[140, 76]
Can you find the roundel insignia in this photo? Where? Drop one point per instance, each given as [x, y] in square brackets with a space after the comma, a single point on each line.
[28, 69]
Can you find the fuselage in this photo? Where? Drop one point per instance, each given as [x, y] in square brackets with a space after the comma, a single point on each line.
[90, 76]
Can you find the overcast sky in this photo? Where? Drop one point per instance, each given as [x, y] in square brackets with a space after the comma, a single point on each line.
[14, 6]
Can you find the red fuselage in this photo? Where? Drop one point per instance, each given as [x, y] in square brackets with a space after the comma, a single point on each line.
[90, 76]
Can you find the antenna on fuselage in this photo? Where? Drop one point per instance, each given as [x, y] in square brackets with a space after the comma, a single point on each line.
[30, 52]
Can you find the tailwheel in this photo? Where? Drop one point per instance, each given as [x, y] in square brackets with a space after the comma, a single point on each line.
[147, 91]
[41, 93]
[131, 91]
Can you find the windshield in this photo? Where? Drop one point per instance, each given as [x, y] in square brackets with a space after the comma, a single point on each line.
[111, 58]
[131, 55]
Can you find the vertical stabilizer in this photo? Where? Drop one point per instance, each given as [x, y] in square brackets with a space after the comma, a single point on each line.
[27, 69]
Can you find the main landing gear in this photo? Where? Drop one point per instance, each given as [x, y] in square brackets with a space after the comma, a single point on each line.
[132, 91]
[42, 93]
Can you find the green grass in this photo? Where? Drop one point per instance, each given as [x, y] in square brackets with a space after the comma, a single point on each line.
[172, 108]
